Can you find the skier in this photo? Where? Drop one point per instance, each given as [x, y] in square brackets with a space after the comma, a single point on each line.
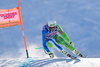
[49, 33]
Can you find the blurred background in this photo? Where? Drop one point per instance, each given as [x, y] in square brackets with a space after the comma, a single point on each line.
[78, 18]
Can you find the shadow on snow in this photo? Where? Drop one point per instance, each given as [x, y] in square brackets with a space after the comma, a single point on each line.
[43, 62]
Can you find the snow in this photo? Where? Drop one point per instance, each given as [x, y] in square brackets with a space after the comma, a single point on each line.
[62, 62]
[39, 59]
[49, 62]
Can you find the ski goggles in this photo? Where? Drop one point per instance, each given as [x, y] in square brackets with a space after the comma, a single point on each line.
[52, 27]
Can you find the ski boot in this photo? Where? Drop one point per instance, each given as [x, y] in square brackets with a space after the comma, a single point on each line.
[64, 52]
[72, 57]
[78, 54]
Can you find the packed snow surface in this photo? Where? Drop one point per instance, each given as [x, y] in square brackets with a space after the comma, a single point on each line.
[48, 62]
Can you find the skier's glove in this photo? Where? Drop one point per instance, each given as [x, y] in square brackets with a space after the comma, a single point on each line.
[83, 56]
[71, 44]
[51, 55]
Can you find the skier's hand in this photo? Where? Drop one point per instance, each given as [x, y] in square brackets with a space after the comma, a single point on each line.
[83, 56]
[51, 55]
[71, 44]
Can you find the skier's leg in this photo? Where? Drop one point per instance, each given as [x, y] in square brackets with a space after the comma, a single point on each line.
[59, 47]
[44, 41]
[45, 47]
[47, 51]
[72, 49]
[63, 51]
[49, 44]
[61, 41]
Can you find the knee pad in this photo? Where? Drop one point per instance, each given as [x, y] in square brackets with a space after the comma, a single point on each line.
[49, 45]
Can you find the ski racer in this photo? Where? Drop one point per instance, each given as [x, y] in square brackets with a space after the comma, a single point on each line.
[50, 33]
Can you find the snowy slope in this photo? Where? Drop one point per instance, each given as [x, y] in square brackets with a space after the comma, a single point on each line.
[40, 59]
[61, 62]
[47, 62]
